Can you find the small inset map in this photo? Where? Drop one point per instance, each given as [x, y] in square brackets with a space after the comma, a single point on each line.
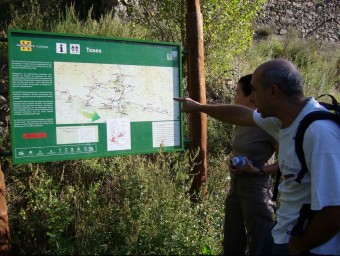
[118, 134]
[87, 92]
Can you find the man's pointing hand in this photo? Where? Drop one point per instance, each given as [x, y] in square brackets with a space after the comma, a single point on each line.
[189, 105]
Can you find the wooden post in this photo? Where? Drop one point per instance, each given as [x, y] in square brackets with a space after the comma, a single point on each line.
[196, 85]
[5, 238]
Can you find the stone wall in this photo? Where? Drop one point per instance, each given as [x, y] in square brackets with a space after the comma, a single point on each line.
[310, 18]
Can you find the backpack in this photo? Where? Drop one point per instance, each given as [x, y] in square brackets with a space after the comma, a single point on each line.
[306, 214]
[334, 115]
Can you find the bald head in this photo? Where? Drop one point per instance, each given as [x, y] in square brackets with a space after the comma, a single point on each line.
[284, 74]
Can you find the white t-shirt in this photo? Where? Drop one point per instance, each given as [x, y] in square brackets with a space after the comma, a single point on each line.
[322, 152]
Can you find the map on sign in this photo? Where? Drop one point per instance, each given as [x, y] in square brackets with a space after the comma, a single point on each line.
[87, 92]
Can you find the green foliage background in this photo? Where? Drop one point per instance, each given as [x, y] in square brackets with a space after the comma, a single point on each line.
[141, 204]
[119, 206]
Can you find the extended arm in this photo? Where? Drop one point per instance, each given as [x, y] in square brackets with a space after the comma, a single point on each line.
[323, 227]
[233, 114]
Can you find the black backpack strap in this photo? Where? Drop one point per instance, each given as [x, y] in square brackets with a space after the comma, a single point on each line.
[276, 184]
[306, 121]
[334, 106]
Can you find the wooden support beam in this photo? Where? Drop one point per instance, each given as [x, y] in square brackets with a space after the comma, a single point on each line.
[197, 91]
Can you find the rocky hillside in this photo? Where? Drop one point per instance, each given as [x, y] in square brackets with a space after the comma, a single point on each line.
[319, 19]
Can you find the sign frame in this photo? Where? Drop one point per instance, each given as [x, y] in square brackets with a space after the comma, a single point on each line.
[78, 96]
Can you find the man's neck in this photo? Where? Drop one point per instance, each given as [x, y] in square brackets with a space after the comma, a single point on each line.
[291, 110]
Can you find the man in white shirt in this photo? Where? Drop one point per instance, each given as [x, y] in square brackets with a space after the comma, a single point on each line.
[281, 105]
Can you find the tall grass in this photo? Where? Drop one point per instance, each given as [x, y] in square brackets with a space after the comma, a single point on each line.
[316, 60]
[31, 17]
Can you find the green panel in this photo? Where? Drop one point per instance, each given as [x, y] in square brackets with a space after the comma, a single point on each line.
[75, 97]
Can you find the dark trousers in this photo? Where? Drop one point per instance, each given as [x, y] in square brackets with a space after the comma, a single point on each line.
[248, 215]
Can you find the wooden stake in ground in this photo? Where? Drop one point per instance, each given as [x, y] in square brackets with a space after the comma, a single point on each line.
[196, 85]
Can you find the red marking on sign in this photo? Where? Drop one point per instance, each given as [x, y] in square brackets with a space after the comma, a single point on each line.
[34, 135]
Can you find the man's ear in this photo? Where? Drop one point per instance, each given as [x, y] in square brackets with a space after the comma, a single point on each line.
[275, 90]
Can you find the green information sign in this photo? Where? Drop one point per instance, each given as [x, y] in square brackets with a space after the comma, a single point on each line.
[75, 97]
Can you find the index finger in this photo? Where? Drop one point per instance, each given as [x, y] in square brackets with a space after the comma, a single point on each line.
[180, 99]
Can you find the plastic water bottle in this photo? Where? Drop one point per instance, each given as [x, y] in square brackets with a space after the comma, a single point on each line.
[238, 161]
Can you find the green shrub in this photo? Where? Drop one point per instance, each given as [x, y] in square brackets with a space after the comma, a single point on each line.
[32, 16]
[264, 32]
[220, 137]
[120, 205]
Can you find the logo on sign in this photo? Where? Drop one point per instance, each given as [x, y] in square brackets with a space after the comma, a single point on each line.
[61, 48]
[74, 48]
[25, 46]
